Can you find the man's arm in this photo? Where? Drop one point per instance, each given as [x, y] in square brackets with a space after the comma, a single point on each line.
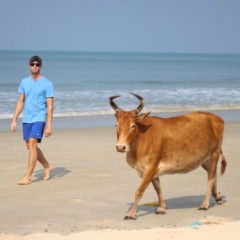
[17, 112]
[48, 131]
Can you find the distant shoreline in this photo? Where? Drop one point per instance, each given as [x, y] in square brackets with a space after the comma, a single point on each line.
[91, 121]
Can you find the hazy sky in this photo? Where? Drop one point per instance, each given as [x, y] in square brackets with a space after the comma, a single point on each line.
[211, 26]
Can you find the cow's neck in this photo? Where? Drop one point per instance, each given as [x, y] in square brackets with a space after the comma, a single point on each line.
[131, 160]
[132, 154]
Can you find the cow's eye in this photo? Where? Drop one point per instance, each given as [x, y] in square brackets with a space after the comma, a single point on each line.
[132, 126]
[116, 125]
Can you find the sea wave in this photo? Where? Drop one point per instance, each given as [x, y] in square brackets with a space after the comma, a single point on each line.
[86, 103]
[152, 110]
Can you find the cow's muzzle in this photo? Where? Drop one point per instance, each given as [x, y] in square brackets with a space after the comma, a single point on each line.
[121, 148]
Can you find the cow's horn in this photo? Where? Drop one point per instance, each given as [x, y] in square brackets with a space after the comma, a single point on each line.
[113, 104]
[141, 105]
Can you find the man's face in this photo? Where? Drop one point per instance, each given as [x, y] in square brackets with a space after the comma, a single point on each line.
[35, 67]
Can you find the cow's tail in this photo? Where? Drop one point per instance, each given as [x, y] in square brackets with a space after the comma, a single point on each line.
[223, 164]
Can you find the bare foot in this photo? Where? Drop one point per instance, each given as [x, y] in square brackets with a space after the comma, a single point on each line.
[47, 172]
[24, 181]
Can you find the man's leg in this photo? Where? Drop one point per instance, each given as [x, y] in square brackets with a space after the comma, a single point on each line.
[44, 162]
[33, 155]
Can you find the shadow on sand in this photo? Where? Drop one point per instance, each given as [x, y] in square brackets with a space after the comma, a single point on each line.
[175, 203]
[55, 173]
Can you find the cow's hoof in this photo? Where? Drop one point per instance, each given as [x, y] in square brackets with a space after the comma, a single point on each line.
[162, 212]
[130, 217]
[203, 208]
[219, 200]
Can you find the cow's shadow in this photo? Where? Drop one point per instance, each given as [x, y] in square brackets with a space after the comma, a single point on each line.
[55, 173]
[175, 203]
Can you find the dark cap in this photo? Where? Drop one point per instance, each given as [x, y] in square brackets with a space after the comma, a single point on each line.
[36, 58]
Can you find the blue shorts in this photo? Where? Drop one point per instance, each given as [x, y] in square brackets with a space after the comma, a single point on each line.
[33, 130]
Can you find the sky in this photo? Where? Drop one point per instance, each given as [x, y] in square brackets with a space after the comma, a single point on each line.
[169, 26]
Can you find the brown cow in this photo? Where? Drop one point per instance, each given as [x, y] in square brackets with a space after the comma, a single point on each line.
[156, 146]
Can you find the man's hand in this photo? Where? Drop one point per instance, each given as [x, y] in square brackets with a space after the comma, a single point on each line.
[48, 131]
[13, 127]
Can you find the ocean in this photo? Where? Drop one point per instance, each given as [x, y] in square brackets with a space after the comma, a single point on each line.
[168, 82]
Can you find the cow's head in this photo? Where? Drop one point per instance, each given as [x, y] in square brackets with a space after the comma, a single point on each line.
[127, 124]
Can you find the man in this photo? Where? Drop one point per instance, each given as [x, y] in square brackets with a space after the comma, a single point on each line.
[36, 101]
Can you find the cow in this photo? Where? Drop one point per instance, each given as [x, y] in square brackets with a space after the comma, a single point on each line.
[156, 146]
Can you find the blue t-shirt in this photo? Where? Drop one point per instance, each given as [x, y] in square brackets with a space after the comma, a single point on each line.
[35, 104]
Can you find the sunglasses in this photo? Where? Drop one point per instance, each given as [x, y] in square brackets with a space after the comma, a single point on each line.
[35, 64]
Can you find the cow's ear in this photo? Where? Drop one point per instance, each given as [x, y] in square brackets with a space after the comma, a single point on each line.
[142, 116]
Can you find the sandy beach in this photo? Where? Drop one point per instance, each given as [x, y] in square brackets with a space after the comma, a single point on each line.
[91, 188]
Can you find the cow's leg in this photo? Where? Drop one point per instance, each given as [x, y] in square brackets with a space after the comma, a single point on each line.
[161, 206]
[211, 168]
[147, 177]
[217, 196]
